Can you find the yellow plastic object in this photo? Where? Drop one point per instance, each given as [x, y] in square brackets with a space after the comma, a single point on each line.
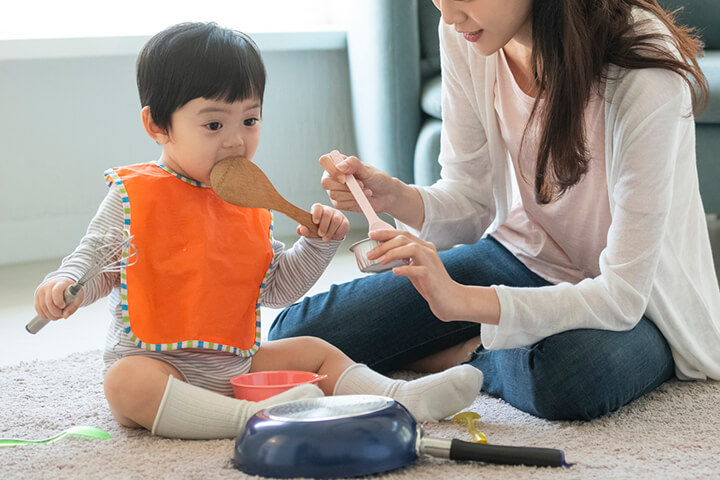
[468, 419]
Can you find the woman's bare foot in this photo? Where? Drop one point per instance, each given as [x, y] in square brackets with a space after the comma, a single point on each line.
[448, 358]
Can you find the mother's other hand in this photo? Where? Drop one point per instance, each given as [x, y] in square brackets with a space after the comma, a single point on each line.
[448, 299]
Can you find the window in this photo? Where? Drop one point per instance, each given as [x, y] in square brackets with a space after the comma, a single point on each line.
[93, 18]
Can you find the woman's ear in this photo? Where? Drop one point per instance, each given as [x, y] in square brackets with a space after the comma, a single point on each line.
[158, 134]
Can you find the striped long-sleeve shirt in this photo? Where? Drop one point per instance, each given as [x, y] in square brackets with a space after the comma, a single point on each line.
[292, 273]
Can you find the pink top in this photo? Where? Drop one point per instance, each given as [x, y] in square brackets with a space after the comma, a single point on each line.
[560, 241]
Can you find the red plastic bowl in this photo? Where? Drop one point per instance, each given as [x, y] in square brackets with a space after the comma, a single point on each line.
[261, 385]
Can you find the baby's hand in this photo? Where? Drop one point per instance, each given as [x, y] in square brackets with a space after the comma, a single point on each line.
[332, 225]
[50, 299]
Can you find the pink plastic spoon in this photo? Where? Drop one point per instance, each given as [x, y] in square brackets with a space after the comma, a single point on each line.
[374, 222]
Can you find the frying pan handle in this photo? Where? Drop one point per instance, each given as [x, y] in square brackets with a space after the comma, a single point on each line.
[506, 455]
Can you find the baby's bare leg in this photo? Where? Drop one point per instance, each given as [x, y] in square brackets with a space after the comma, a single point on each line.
[134, 387]
[303, 353]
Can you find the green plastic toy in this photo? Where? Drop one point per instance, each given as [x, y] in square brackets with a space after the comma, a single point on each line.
[80, 431]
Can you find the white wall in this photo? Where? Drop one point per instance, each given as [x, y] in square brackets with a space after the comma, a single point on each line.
[65, 120]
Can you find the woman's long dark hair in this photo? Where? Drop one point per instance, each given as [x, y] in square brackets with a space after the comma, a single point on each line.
[573, 41]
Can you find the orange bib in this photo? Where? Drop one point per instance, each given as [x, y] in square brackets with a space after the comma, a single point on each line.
[201, 264]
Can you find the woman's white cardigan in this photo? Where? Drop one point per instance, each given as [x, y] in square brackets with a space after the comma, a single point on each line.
[657, 260]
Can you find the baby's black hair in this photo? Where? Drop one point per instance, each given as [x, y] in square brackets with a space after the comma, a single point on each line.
[192, 60]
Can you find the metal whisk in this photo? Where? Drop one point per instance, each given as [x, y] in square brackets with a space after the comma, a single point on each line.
[111, 256]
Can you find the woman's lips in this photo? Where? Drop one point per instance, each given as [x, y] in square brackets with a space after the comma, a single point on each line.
[473, 36]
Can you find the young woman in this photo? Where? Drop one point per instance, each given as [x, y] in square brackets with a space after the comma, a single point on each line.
[585, 276]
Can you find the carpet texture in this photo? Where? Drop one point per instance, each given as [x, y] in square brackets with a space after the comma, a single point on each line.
[670, 433]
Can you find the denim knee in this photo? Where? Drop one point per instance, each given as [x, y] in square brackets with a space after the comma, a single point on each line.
[576, 398]
[579, 374]
[544, 385]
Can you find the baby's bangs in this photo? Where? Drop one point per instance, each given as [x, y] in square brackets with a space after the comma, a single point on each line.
[235, 73]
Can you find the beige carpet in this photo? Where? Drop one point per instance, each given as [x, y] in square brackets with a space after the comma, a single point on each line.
[671, 433]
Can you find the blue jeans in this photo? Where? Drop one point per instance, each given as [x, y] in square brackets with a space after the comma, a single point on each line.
[382, 321]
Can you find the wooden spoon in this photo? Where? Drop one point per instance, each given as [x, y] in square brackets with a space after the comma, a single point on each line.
[239, 181]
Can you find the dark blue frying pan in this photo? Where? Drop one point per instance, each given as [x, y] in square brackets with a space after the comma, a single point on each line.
[353, 435]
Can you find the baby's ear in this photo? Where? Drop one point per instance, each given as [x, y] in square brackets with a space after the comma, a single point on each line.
[158, 134]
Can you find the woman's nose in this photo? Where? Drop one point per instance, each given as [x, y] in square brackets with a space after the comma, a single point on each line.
[448, 11]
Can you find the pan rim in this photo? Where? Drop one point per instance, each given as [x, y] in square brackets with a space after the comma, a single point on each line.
[373, 403]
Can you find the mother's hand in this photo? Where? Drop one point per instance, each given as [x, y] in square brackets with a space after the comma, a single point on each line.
[448, 299]
[425, 269]
[377, 185]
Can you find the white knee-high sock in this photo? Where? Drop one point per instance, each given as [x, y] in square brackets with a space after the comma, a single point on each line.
[428, 398]
[191, 412]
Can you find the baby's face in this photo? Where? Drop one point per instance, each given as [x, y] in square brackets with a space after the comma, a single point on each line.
[203, 132]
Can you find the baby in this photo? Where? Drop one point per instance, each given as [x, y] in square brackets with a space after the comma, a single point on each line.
[186, 314]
